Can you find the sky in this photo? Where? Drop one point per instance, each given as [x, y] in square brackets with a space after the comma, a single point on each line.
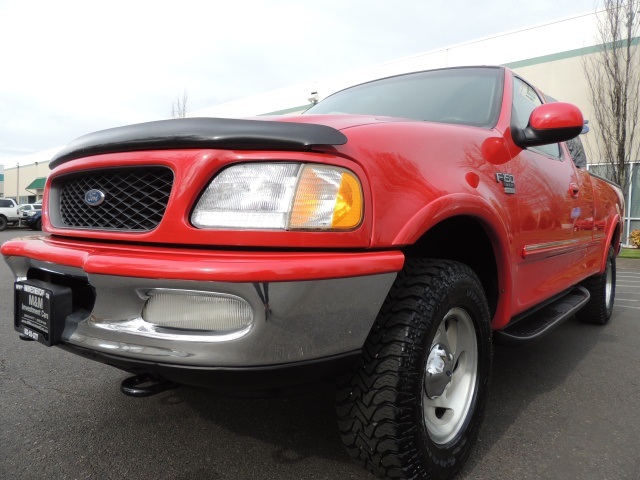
[70, 67]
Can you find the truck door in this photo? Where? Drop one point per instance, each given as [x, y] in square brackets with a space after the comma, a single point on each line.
[550, 208]
[589, 253]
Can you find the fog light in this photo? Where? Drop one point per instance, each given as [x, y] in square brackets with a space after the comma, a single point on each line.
[202, 311]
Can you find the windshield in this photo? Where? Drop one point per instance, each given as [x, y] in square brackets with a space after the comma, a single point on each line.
[468, 96]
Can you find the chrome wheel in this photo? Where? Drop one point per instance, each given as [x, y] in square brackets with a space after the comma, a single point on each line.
[450, 376]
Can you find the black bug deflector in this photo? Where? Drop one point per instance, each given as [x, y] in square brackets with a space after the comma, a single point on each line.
[201, 133]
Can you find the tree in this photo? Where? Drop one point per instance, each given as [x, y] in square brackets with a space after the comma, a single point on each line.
[613, 78]
[179, 107]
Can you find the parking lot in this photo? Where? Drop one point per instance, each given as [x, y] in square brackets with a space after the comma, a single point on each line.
[565, 407]
[628, 288]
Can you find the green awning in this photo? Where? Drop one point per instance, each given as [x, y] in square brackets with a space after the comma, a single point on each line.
[37, 184]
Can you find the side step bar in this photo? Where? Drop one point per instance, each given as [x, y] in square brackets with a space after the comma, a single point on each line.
[535, 323]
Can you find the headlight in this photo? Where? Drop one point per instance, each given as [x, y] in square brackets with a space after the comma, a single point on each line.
[31, 213]
[286, 196]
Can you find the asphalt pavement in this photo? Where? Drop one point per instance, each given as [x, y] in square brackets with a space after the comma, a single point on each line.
[566, 407]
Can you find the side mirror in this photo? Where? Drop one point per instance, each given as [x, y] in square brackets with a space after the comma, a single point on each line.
[549, 123]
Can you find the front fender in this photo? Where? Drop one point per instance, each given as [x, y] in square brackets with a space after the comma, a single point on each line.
[493, 221]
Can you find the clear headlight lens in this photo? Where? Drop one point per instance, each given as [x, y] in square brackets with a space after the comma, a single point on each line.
[287, 196]
[248, 195]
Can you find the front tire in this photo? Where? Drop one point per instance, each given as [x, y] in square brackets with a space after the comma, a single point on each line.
[602, 289]
[414, 406]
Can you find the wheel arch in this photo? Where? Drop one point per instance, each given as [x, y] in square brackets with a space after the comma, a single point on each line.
[475, 236]
[613, 240]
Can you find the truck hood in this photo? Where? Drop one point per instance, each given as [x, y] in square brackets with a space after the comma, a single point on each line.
[338, 122]
[268, 133]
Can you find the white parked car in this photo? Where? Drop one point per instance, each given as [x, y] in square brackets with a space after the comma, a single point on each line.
[9, 214]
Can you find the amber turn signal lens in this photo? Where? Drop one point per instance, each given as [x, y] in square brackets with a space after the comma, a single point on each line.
[347, 212]
[327, 198]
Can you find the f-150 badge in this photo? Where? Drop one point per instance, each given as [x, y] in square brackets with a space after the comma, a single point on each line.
[508, 181]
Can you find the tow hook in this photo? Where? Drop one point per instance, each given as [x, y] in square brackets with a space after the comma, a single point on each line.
[145, 385]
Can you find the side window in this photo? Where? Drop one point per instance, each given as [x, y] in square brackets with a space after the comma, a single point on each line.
[525, 99]
[5, 203]
[577, 152]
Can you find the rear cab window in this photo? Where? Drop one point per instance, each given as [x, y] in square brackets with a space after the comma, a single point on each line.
[576, 150]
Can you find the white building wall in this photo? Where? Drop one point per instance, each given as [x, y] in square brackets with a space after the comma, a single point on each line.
[16, 179]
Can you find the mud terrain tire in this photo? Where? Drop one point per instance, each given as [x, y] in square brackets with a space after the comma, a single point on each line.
[602, 289]
[388, 420]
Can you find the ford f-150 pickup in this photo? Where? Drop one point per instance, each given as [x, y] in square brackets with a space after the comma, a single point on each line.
[384, 238]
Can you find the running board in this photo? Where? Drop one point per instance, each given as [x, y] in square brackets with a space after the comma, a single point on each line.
[541, 320]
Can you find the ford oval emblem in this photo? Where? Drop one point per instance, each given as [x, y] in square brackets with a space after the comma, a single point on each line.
[93, 197]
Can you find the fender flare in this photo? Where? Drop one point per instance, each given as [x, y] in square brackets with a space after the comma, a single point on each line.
[612, 230]
[486, 213]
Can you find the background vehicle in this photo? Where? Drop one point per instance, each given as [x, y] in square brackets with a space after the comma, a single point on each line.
[386, 237]
[33, 219]
[8, 213]
[24, 212]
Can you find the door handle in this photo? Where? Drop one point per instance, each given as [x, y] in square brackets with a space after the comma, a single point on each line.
[574, 190]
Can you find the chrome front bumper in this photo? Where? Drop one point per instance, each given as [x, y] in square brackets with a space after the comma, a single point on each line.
[304, 320]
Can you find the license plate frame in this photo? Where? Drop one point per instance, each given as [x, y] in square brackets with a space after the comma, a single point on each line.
[41, 309]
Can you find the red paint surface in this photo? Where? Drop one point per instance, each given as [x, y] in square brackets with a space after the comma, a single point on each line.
[556, 115]
[192, 264]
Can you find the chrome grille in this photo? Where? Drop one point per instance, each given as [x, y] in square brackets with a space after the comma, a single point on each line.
[135, 198]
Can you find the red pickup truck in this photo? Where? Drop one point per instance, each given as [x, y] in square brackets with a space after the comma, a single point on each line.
[385, 238]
